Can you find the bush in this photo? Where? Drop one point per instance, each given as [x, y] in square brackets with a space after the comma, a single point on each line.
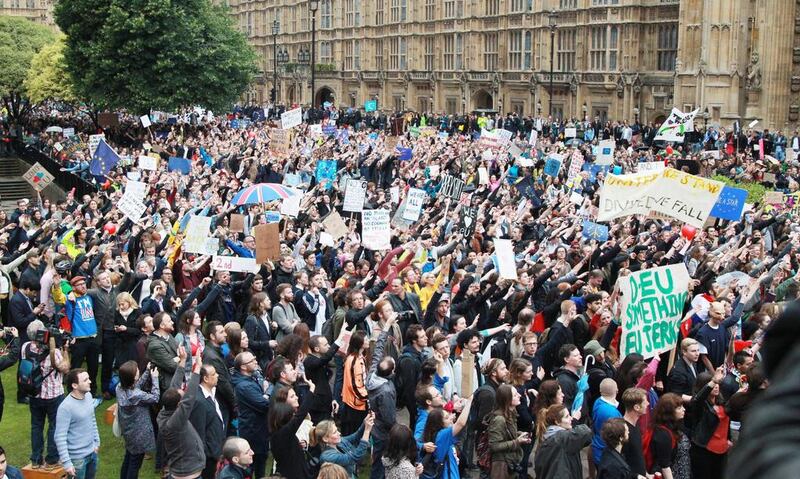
[755, 191]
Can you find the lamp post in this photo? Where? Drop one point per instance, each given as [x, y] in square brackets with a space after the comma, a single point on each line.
[551, 21]
[276, 26]
[313, 5]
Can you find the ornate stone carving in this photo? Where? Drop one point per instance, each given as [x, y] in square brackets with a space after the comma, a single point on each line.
[637, 84]
[620, 86]
[573, 83]
[496, 82]
[753, 78]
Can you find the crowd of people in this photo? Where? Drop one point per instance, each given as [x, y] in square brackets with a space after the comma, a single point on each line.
[419, 360]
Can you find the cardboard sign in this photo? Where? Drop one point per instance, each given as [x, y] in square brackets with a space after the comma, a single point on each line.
[235, 264]
[452, 187]
[375, 230]
[652, 309]
[390, 143]
[413, 204]
[131, 207]
[506, 262]
[38, 177]
[236, 224]
[468, 221]
[291, 206]
[145, 119]
[354, 195]
[334, 225]
[773, 198]
[280, 141]
[292, 118]
[197, 232]
[106, 120]
[268, 244]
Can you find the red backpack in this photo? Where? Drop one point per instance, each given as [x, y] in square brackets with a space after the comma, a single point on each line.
[647, 439]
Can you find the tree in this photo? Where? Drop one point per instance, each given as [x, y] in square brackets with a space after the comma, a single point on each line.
[20, 41]
[154, 54]
[47, 77]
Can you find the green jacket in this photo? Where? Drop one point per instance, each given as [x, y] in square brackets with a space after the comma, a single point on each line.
[503, 444]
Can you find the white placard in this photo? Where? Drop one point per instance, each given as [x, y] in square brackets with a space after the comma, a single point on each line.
[434, 171]
[58, 147]
[325, 239]
[145, 119]
[354, 195]
[570, 132]
[605, 152]
[148, 163]
[506, 264]
[234, 263]
[375, 230]
[291, 118]
[291, 206]
[752, 124]
[483, 176]
[414, 201]
[131, 207]
[38, 177]
[197, 232]
[94, 140]
[576, 198]
[533, 138]
[68, 132]
[525, 162]
[651, 166]
[394, 192]
[676, 126]
[136, 189]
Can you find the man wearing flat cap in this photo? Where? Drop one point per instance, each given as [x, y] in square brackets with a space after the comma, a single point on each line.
[80, 314]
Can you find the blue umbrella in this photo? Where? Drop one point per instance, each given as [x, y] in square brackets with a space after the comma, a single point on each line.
[583, 386]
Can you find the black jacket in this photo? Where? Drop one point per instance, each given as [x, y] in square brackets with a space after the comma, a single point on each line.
[8, 359]
[258, 338]
[681, 379]
[212, 356]
[409, 366]
[569, 385]
[208, 425]
[318, 372]
[289, 458]
[701, 418]
[21, 315]
[613, 466]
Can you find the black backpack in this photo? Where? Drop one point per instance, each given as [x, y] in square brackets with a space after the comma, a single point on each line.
[502, 346]
[29, 374]
[399, 384]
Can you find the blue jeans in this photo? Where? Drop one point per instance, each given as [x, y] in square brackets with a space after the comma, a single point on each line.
[378, 471]
[131, 465]
[42, 409]
[85, 468]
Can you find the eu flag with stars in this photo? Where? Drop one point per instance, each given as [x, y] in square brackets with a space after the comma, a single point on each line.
[104, 159]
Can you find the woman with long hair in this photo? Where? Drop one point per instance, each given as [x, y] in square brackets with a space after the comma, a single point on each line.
[442, 431]
[669, 446]
[346, 451]
[505, 442]
[550, 393]
[710, 426]
[521, 374]
[125, 327]
[559, 453]
[237, 342]
[285, 418]
[133, 415]
[190, 335]
[354, 389]
[259, 327]
[400, 456]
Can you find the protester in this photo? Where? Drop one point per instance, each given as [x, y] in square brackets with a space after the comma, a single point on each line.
[558, 453]
[239, 458]
[7, 471]
[612, 464]
[401, 454]
[253, 406]
[505, 442]
[133, 415]
[354, 389]
[710, 426]
[669, 446]
[76, 434]
[346, 451]
[285, 418]
[441, 430]
[206, 417]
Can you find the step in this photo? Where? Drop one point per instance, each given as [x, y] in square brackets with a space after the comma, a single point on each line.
[28, 472]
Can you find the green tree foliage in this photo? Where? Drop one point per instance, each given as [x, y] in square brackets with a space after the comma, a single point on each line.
[47, 78]
[159, 54]
[20, 41]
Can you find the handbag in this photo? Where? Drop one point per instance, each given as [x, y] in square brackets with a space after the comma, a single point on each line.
[115, 427]
[430, 468]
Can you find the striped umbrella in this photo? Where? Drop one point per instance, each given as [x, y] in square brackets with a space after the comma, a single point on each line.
[262, 193]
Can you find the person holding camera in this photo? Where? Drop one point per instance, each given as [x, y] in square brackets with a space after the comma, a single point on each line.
[23, 311]
[505, 443]
[53, 363]
[407, 305]
[8, 357]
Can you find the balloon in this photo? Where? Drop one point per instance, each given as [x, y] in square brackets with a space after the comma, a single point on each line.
[110, 228]
[669, 150]
[688, 232]
[617, 170]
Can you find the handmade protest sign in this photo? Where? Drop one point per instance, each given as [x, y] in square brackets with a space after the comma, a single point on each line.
[268, 245]
[147, 162]
[197, 232]
[676, 126]
[469, 218]
[652, 309]
[375, 231]
[235, 264]
[570, 132]
[326, 173]
[773, 198]
[674, 193]
[506, 264]
[131, 207]
[136, 189]
[730, 204]
[94, 140]
[38, 177]
[553, 165]
[291, 206]
[370, 105]
[334, 225]
[145, 119]
[354, 195]
[605, 153]
[452, 187]
[291, 118]
[68, 132]
[279, 141]
[650, 167]
[413, 204]
[236, 223]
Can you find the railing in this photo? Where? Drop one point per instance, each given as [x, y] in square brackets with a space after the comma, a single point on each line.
[66, 181]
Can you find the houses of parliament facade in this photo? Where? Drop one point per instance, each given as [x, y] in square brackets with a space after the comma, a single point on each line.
[611, 59]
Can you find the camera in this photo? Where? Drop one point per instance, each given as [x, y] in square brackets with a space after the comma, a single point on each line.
[43, 336]
[7, 336]
[406, 316]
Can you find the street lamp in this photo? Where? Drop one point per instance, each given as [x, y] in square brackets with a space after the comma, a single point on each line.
[276, 27]
[313, 5]
[283, 57]
[303, 56]
[552, 18]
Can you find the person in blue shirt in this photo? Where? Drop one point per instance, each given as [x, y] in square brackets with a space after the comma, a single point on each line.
[442, 431]
[428, 398]
[80, 313]
[606, 407]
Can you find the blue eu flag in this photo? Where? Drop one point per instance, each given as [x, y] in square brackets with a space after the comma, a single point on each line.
[104, 159]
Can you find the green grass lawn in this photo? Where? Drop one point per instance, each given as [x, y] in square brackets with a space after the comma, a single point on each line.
[15, 435]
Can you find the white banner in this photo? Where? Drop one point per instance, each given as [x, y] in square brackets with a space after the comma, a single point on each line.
[676, 126]
[291, 118]
[506, 263]
[136, 189]
[652, 309]
[674, 193]
[94, 140]
[354, 195]
[291, 206]
[131, 207]
[148, 163]
[234, 263]
[197, 232]
[375, 231]
[414, 201]
[145, 119]
[605, 152]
